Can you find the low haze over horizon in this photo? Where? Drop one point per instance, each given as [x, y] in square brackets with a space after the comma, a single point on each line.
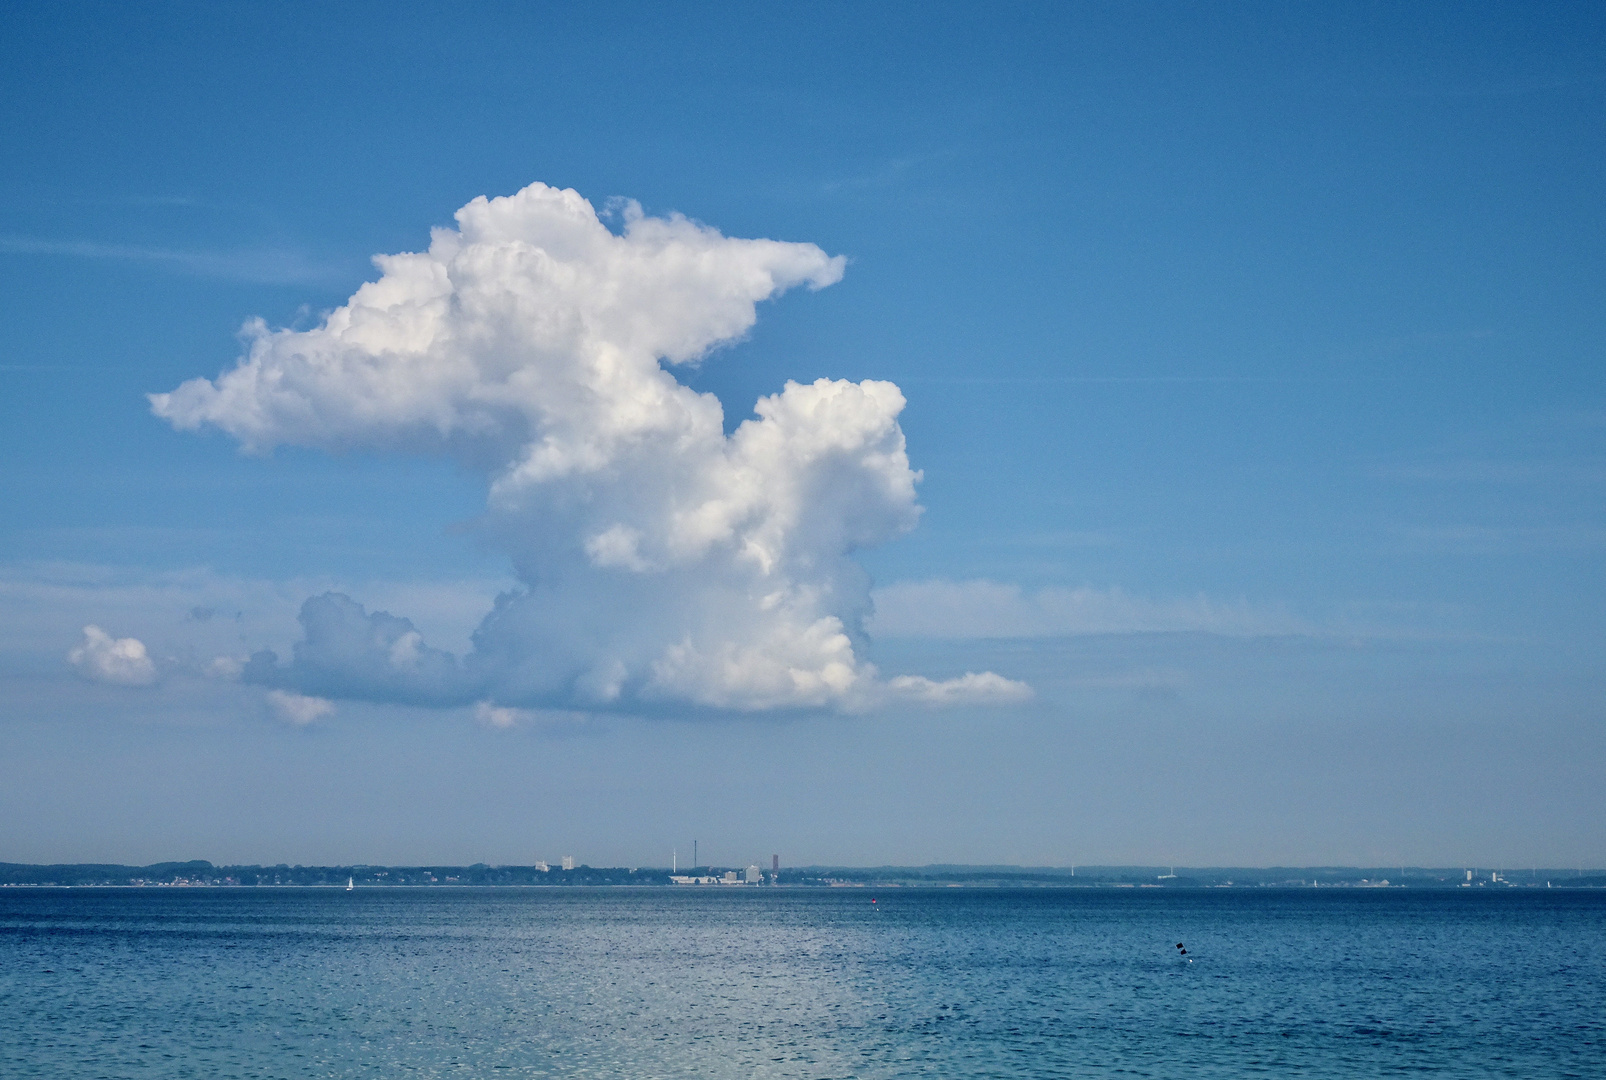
[1082, 434]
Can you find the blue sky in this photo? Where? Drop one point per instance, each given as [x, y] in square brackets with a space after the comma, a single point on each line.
[1251, 360]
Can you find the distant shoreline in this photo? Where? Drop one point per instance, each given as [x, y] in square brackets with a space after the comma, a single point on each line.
[202, 874]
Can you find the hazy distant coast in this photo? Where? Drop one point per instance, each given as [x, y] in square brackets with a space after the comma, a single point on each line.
[205, 874]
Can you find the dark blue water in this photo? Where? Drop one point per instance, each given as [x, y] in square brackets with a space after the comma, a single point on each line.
[625, 983]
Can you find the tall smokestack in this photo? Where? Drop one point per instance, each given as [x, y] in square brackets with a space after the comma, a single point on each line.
[775, 864]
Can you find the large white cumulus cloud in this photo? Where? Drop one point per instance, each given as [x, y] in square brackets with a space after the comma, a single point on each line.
[663, 560]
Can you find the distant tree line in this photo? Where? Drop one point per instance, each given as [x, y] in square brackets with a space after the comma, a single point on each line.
[200, 872]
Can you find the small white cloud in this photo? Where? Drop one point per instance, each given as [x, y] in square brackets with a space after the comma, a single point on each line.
[499, 716]
[223, 667]
[298, 709]
[120, 661]
[971, 688]
[548, 721]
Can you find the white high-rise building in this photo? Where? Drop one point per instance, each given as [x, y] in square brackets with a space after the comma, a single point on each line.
[568, 862]
[754, 875]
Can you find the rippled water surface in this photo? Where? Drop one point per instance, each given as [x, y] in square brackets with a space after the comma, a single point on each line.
[757, 982]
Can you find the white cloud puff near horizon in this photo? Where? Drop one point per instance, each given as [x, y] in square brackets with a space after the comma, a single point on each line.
[662, 562]
[102, 658]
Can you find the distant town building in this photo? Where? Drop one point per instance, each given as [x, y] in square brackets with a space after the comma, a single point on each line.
[751, 876]
[543, 867]
[568, 862]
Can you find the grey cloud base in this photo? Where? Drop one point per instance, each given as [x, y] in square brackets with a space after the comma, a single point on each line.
[349, 653]
[346, 652]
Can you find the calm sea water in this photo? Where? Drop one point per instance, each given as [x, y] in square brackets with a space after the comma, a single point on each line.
[636, 984]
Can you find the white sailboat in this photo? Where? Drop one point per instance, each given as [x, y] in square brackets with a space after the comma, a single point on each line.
[351, 883]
